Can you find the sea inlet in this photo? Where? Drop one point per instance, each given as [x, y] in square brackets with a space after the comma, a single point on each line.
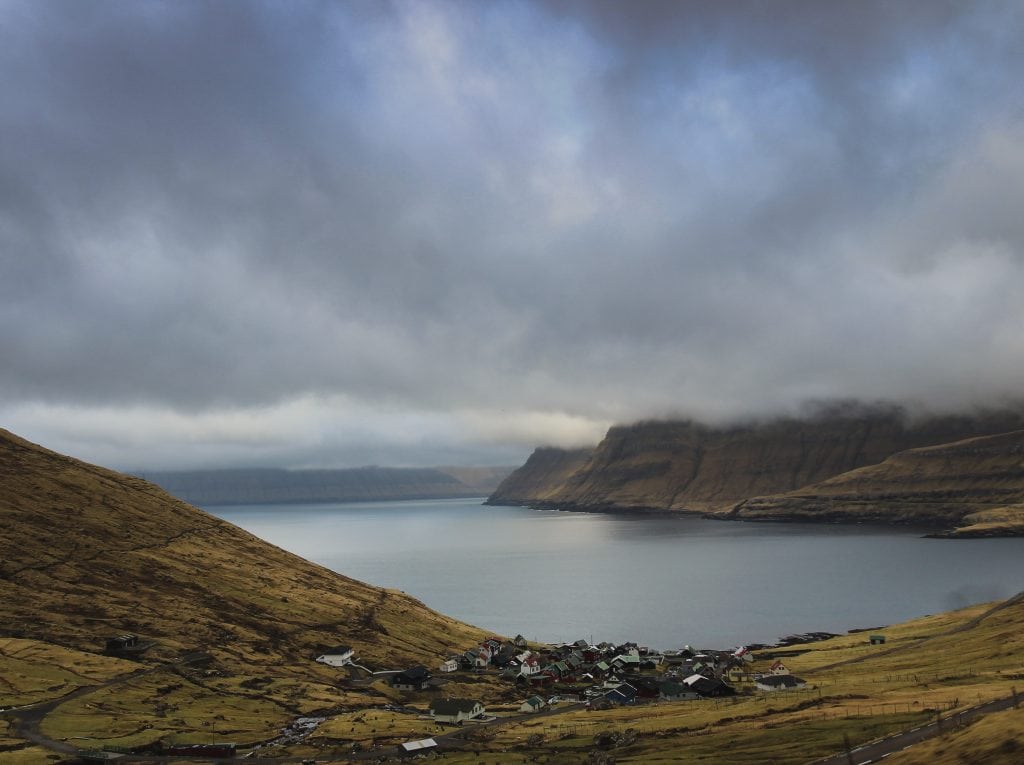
[662, 581]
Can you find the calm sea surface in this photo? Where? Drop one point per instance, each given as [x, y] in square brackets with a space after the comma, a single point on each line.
[663, 582]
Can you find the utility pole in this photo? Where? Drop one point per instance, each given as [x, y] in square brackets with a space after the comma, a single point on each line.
[849, 751]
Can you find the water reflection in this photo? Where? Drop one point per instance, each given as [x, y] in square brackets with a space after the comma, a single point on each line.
[663, 581]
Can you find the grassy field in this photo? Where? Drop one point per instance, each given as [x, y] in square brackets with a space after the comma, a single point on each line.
[33, 671]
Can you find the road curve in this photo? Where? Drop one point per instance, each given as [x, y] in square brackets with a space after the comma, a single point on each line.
[876, 750]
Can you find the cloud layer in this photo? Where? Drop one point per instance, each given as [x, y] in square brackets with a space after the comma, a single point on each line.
[321, 234]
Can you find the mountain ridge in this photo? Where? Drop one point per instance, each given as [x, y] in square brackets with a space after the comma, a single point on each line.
[684, 466]
[243, 486]
[981, 476]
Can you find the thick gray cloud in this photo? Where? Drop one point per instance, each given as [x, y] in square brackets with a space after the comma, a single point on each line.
[321, 233]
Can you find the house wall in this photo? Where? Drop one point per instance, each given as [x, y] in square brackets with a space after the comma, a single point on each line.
[459, 717]
[335, 660]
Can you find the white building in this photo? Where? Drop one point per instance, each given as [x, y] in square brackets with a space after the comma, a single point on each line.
[337, 657]
[455, 710]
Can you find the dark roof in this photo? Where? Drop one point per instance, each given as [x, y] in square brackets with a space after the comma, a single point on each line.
[781, 681]
[337, 650]
[703, 684]
[671, 688]
[417, 674]
[452, 706]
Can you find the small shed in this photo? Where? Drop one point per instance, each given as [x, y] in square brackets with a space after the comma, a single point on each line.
[415, 746]
[122, 643]
[877, 639]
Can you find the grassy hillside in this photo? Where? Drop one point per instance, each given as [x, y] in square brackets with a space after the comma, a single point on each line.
[977, 483]
[87, 553]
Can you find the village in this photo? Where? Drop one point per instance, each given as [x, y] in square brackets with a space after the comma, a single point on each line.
[522, 680]
[572, 676]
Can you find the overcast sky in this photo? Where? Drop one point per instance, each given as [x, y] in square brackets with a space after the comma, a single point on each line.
[327, 234]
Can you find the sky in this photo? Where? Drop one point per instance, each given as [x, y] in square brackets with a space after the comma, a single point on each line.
[332, 234]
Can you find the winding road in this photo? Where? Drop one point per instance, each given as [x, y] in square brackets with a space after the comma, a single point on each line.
[876, 750]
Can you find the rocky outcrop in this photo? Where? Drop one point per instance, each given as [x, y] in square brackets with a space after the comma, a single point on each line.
[1005, 521]
[686, 466]
[976, 481]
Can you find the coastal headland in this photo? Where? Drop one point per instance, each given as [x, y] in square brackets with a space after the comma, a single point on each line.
[961, 475]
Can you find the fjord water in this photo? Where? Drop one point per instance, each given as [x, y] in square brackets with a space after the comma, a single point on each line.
[660, 581]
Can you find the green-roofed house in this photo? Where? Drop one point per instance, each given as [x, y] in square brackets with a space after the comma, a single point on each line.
[532, 704]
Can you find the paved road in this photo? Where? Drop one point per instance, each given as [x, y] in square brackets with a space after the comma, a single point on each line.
[875, 751]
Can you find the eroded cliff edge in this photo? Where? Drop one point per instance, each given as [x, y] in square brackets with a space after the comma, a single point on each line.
[976, 484]
[686, 466]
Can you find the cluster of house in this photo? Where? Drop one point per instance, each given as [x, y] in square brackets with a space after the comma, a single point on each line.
[604, 674]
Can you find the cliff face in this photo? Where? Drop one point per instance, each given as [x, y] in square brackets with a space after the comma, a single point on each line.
[544, 474]
[263, 486]
[482, 480]
[978, 477]
[687, 466]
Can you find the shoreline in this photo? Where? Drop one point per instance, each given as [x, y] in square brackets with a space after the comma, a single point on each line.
[930, 528]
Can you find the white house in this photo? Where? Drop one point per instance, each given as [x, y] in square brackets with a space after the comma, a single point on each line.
[778, 668]
[455, 710]
[336, 657]
[450, 664]
[743, 653]
[479, 657]
[529, 667]
[532, 704]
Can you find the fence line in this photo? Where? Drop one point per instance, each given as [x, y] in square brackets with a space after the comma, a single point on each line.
[929, 708]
